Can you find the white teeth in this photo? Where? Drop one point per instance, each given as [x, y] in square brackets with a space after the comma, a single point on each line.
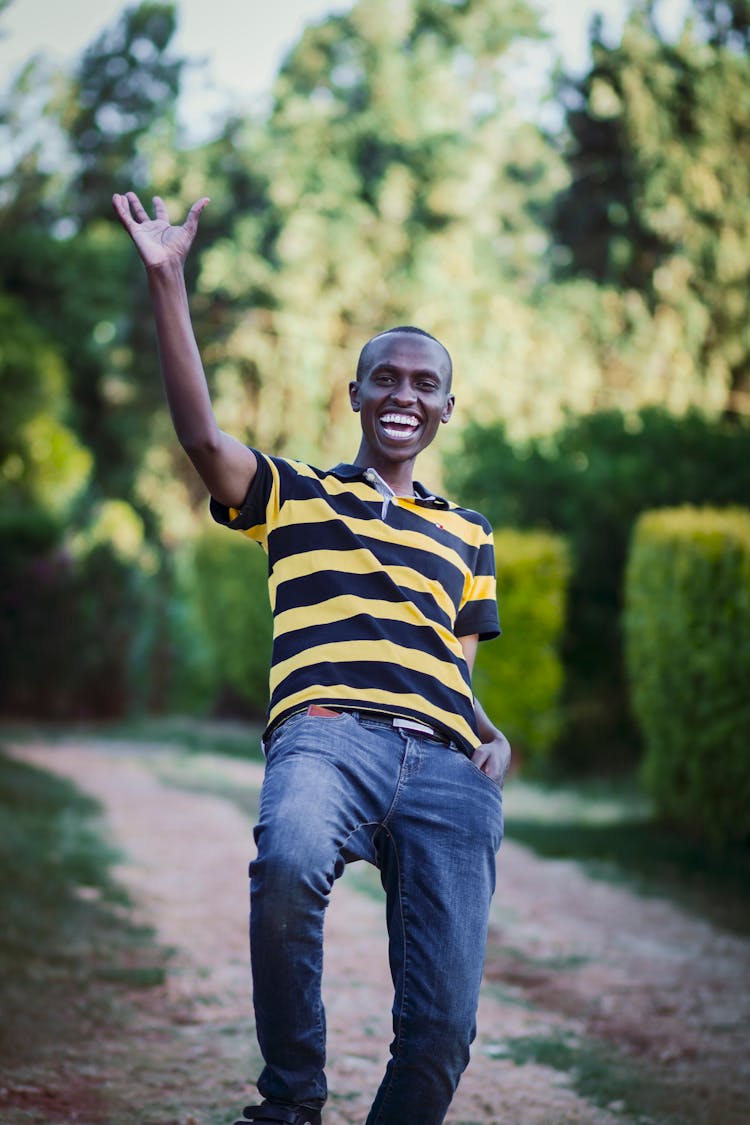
[401, 419]
[389, 421]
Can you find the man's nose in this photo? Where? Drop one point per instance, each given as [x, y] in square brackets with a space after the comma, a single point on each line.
[403, 393]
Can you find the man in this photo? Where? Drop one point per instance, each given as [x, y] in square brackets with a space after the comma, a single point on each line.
[375, 746]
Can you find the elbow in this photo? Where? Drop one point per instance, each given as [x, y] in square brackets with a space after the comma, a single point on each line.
[201, 447]
[205, 456]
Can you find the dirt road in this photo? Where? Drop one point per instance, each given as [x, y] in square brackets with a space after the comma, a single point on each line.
[599, 1006]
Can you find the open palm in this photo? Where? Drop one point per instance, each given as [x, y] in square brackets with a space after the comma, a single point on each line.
[157, 240]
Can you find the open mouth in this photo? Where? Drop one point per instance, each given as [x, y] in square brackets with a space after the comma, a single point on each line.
[399, 427]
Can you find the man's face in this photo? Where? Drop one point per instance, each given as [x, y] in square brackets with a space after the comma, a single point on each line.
[402, 397]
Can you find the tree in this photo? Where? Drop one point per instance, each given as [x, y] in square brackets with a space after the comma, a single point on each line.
[659, 155]
[726, 22]
[401, 185]
[123, 91]
[74, 374]
[43, 466]
[72, 141]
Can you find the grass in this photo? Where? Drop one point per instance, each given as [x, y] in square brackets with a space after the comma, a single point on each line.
[196, 772]
[200, 736]
[235, 739]
[610, 830]
[604, 1077]
[67, 950]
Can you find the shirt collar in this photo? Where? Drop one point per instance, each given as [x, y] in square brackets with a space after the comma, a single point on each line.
[422, 496]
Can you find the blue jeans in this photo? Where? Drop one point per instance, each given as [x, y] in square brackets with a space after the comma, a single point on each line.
[346, 787]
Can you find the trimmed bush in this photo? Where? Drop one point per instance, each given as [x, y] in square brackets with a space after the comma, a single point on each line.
[687, 630]
[519, 676]
[75, 627]
[589, 482]
[227, 586]
[190, 679]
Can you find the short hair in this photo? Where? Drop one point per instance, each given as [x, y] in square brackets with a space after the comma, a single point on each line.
[362, 361]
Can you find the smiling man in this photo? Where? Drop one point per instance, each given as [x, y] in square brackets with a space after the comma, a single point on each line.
[375, 746]
[402, 392]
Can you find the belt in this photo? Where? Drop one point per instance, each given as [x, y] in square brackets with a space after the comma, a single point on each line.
[411, 725]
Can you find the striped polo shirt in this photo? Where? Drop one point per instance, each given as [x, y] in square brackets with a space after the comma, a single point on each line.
[369, 593]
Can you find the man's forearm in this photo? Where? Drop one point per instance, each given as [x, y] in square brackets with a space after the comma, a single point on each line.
[485, 727]
[493, 755]
[224, 464]
[181, 365]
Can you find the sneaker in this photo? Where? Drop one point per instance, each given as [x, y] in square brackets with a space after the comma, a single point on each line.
[269, 1114]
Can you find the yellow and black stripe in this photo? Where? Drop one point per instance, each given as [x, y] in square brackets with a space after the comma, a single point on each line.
[369, 602]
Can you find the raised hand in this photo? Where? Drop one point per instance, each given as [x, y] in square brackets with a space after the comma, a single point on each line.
[156, 240]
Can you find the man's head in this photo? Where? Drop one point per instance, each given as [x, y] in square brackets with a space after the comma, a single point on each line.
[366, 353]
[402, 392]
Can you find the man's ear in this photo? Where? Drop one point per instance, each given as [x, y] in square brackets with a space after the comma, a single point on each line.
[354, 396]
[450, 402]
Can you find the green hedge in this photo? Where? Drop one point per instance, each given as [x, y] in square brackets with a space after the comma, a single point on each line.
[224, 588]
[76, 629]
[589, 482]
[88, 632]
[687, 630]
[519, 676]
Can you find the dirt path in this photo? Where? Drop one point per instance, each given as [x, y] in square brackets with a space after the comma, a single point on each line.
[589, 988]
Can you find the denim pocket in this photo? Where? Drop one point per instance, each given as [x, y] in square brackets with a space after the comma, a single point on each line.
[497, 785]
[284, 728]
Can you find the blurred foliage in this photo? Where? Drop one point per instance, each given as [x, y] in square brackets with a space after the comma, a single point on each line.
[659, 152]
[687, 624]
[69, 141]
[395, 175]
[401, 185]
[226, 582]
[520, 674]
[75, 631]
[42, 462]
[726, 22]
[589, 482]
[122, 98]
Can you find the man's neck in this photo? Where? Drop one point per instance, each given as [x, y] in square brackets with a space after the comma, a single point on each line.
[398, 475]
[384, 488]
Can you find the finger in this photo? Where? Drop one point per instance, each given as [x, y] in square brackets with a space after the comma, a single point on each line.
[160, 209]
[491, 767]
[122, 210]
[480, 757]
[194, 214]
[136, 207]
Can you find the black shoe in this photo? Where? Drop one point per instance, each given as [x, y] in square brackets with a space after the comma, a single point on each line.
[271, 1114]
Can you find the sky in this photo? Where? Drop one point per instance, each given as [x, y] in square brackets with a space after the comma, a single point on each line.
[243, 41]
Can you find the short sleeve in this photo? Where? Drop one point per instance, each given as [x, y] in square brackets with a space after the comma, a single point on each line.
[479, 612]
[251, 516]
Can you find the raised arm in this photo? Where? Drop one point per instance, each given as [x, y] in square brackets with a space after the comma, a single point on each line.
[224, 464]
